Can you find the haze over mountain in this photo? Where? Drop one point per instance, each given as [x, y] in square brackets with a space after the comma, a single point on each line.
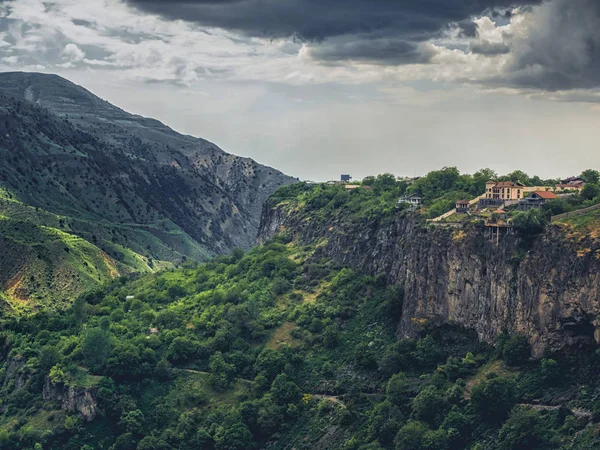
[138, 193]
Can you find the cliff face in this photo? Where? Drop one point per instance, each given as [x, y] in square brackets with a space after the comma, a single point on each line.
[72, 398]
[548, 290]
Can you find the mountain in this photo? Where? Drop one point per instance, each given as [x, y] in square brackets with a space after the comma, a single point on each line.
[90, 192]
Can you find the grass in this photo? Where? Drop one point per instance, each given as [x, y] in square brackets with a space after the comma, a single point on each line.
[83, 379]
[587, 224]
[496, 366]
[282, 336]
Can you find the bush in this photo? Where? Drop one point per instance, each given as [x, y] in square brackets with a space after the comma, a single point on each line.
[411, 436]
[516, 350]
[531, 222]
[494, 398]
[524, 430]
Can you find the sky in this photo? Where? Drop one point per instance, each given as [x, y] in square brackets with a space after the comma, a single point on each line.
[317, 88]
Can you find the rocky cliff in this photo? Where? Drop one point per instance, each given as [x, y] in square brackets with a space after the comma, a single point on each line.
[72, 399]
[548, 289]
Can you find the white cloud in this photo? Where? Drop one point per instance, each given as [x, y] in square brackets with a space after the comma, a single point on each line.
[72, 53]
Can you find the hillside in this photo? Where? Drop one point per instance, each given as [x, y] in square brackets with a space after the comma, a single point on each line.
[279, 348]
[90, 192]
[540, 281]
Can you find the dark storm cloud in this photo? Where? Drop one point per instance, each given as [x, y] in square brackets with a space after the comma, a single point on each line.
[318, 19]
[374, 50]
[385, 31]
[560, 49]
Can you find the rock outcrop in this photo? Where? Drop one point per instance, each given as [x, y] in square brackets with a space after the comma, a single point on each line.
[72, 398]
[17, 374]
[548, 290]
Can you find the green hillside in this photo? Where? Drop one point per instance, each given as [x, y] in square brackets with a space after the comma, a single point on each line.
[49, 259]
[277, 348]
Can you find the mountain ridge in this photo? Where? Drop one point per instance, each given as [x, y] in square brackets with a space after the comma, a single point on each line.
[121, 179]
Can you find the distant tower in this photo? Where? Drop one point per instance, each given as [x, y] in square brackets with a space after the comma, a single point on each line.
[346, 178]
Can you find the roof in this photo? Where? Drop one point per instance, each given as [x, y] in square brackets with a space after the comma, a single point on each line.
[508, 184]
[571, 179]
[352, 186]
[546, 195]
[462, 202]
[572, 184]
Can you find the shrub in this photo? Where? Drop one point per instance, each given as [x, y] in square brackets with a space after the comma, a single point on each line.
[516, 350]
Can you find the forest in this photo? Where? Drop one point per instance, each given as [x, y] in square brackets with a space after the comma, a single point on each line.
[281, 348]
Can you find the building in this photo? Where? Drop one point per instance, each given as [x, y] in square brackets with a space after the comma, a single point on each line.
[504, 190]
[572, 180]
[346, 178]
[571, 184]
[536, 200]
[462, 207]
[414, 199]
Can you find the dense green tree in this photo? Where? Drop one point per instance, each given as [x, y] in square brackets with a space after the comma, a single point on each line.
[132, 421]
[429, 406]
[411, 436]
[531, 222]
[48, 357]
[234, 435]
[524, 430]
[427, 351]
[221, 372]
[96, 346]
[385, 419]
[590, 191]
[494, 398]
[124, 362]
[182, 349]
[516, 350]
[591, 176]
[270, 363]
[399, 390]
[284, 390]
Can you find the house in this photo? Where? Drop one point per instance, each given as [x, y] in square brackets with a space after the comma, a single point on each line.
[130, 297]
[572, 180]
[414, 199]
[571, 184]
[496, 193]
[349, 187]
[536, 200]
[462, 207]
[346, 178]
[503, 190]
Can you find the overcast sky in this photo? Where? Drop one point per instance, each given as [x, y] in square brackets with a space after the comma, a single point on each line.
[321, 87]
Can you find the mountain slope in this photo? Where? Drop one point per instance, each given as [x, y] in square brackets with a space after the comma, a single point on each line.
[279, 349]
[139, 193]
